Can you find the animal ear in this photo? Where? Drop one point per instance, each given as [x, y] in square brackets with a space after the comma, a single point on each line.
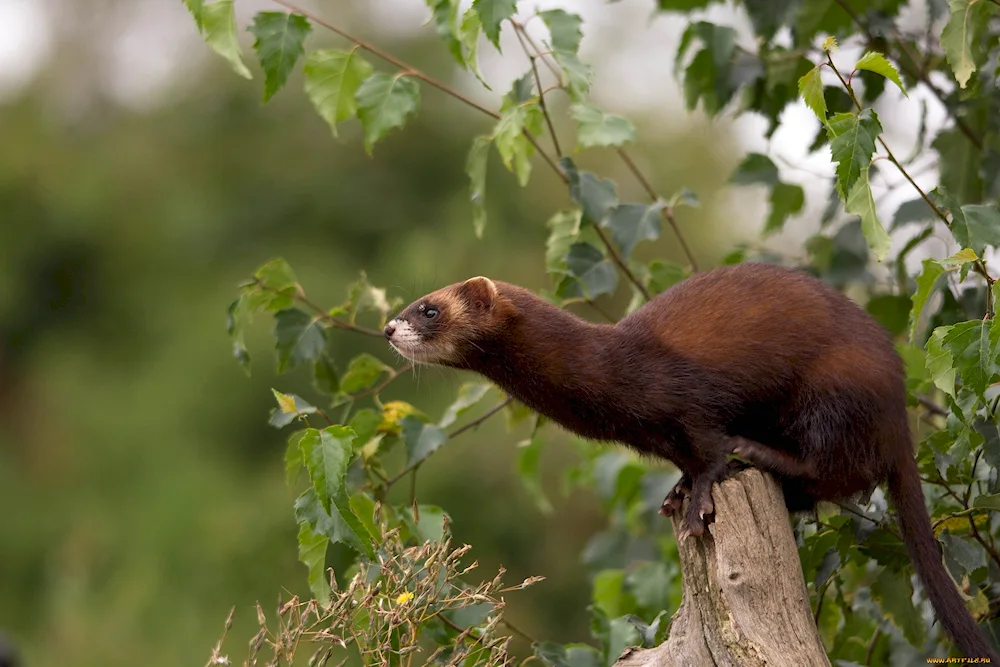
[480, 292]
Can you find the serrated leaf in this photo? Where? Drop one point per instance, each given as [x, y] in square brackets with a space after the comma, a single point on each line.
[595, 195]
[564, 230]
[492, 13]
[967, 20]
[279, 45]
[564, 29]
[332, 79]
[576, 74]
[236, 316]
[468, 35]
[968, 556]
[384, 101]
[469, 394]
[589, 273]
[289, 408]
[218, 28]
[755, 168]
[513, 146]
[529, 456]
[276, 274]
[967, 349]
[475, 169]
[362, 373]
[632, 223]
[312, 554]
[928, 277]
[285, 402]
[444, 13]
[873, 61]
[596, 128]
[786, 199]
[325, 376]
[860, 202]
[299, 338]
[852, 145]
[811, 90]
[293, 457]
[989, 501]
[363, 297]
[327, 454]
[421, 439]
[894, 593]
[976, 226]
[195, 7]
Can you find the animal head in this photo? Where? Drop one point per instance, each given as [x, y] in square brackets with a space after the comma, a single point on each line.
[443, 326]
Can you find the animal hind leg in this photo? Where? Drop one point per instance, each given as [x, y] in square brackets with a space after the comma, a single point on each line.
[773, 460]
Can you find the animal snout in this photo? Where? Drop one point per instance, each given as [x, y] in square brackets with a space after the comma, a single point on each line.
[389, 330]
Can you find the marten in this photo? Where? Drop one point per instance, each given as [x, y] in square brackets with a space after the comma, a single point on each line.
[756, 360]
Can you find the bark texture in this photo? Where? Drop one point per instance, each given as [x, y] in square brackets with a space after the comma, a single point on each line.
[744, 602]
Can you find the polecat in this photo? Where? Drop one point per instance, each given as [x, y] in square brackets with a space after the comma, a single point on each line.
[757, 360]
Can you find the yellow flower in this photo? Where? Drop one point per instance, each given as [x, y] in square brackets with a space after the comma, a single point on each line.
[404, 598]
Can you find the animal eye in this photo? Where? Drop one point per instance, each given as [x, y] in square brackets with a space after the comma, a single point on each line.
[431, 313]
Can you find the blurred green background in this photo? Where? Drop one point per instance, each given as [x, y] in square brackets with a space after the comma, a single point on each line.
[143, 493]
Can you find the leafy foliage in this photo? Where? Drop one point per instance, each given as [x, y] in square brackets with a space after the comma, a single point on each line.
[855, 565]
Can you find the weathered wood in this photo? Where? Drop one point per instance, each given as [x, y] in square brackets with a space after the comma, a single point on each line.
[745, 602]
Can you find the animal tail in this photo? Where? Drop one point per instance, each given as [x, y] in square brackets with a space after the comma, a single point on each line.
[908, 497]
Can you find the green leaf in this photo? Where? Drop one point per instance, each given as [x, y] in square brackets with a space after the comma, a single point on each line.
[577, 74]
[967, 21]
[363, 297]
[609, 591]
[632, 223]
[279, 46]
[852, 144]
[873, 61]
[475, 168]
[362, 373]
[325, 376]
[289, 408]
[421, 439]
[926, 281]
[589, 274]
[811, 90]
[571, 655]
[564, 230]
[293, 457]
[469, 37]
[960, 258]
[300, 338]
[431, 525]
[332, 79]
[786, 199]
[236, 316]
[988, 501]
[469, 395]
[529, 456]
[595, 195]
[976, 226]
[861, 202]
[564, 29]
[755, 168]
[384, 102]
[709, 76]
[596, 128]
[195, 7]
[327, 454]
[276, 275]
[444, 13]
[664, 274]
[218, 27]
[492, 13]
[509, 137]
[968, 349]
[312, 554]
[894, 593]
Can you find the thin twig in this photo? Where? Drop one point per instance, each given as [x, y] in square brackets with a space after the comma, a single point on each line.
[980, 266]
[301, 297]
[471, 425]
[393, 374]
[919, 75]
[518, 30]
[667, 212]
[871, 644]
[931, 406]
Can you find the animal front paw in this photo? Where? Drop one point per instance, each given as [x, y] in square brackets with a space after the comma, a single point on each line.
[675, 498]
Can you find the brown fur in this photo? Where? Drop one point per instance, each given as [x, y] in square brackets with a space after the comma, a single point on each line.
[764, 361]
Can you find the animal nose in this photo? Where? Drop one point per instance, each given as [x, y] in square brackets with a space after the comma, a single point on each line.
[389, 330]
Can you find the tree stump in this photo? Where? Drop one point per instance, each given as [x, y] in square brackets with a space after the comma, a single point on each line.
[744, 602]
